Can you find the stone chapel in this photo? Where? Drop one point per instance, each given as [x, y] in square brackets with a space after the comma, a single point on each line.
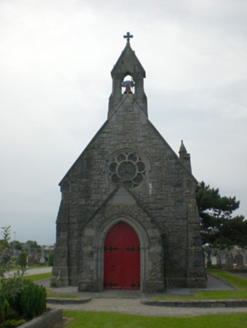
[128, 217]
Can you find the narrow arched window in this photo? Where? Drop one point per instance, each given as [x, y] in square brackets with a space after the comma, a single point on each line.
[128, 85]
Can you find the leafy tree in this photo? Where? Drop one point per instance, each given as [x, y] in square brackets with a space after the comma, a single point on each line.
[32, 245]
[218, 227]
[4, 247]
[12, 285]
[15, 245]
[22, 259]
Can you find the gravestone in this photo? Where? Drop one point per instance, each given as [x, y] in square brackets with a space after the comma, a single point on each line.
[42, 258]
[229, 261]
[239, 259]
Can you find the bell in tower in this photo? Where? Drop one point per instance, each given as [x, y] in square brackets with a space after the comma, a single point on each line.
[128, 65]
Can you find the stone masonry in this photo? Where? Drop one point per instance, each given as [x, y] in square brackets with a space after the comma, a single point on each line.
[128, 173]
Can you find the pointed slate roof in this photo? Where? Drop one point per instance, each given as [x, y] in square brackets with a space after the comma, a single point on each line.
[182, 148]
[128, 62]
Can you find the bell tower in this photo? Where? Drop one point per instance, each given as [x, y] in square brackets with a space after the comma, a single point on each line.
[128, 65]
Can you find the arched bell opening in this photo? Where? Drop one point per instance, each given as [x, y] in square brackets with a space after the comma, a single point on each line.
[128, 85]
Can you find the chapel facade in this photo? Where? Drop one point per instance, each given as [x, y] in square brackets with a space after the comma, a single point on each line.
[128, 217]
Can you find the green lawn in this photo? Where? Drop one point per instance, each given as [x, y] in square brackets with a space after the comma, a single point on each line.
[116, 320]
[237, 282]
[38, 277]
[210, 295]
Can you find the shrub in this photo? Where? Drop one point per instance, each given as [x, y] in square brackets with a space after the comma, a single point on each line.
[12, 323]
[14, 302]
[11, 314]
[13, 285]
[23, 259]
[2, 307]
[32, 299]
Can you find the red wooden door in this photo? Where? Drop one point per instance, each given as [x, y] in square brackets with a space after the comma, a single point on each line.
[122, 258]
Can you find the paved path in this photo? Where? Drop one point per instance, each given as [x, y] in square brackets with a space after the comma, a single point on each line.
[134, 306]
[31, 272]
[130, 301]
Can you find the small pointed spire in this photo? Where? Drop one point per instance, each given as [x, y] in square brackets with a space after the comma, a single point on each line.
[184, 156]
[182, 148]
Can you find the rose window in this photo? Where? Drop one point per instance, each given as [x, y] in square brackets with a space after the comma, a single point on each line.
[127, 168]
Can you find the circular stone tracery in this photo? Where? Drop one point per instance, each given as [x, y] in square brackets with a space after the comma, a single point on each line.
[127, 168]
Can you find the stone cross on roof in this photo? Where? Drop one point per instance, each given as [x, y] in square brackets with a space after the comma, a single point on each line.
[128, 36]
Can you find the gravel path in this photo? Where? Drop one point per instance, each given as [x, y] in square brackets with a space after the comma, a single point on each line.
[134, 306]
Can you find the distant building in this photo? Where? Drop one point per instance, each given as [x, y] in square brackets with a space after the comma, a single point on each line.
[128, 217]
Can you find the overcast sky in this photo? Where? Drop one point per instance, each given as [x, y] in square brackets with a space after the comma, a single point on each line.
[55, 63]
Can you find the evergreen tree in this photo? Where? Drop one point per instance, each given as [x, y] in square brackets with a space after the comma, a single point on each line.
[218, 226]
[16, 245]
[32, 245]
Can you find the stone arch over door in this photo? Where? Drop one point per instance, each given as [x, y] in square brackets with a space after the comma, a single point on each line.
[99, 241]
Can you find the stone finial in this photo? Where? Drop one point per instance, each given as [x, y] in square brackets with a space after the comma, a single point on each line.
[182, 148]
[128, 36]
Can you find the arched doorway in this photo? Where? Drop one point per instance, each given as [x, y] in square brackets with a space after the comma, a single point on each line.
[122, 258]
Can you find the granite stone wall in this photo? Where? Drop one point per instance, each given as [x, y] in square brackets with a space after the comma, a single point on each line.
[154, 193]
[163, 205]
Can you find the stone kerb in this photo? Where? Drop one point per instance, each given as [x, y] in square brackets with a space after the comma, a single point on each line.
[198, 303]
[46, 320]
[61, 300]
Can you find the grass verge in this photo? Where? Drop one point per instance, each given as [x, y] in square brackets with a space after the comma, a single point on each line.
[119, 320]
[237, 282]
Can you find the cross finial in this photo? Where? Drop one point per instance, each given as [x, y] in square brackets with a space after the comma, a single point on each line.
[128, 36]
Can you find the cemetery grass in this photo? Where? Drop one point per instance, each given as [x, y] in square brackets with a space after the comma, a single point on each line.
[35, 266]
[38, 277]
[119, 320]
[239, 283]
